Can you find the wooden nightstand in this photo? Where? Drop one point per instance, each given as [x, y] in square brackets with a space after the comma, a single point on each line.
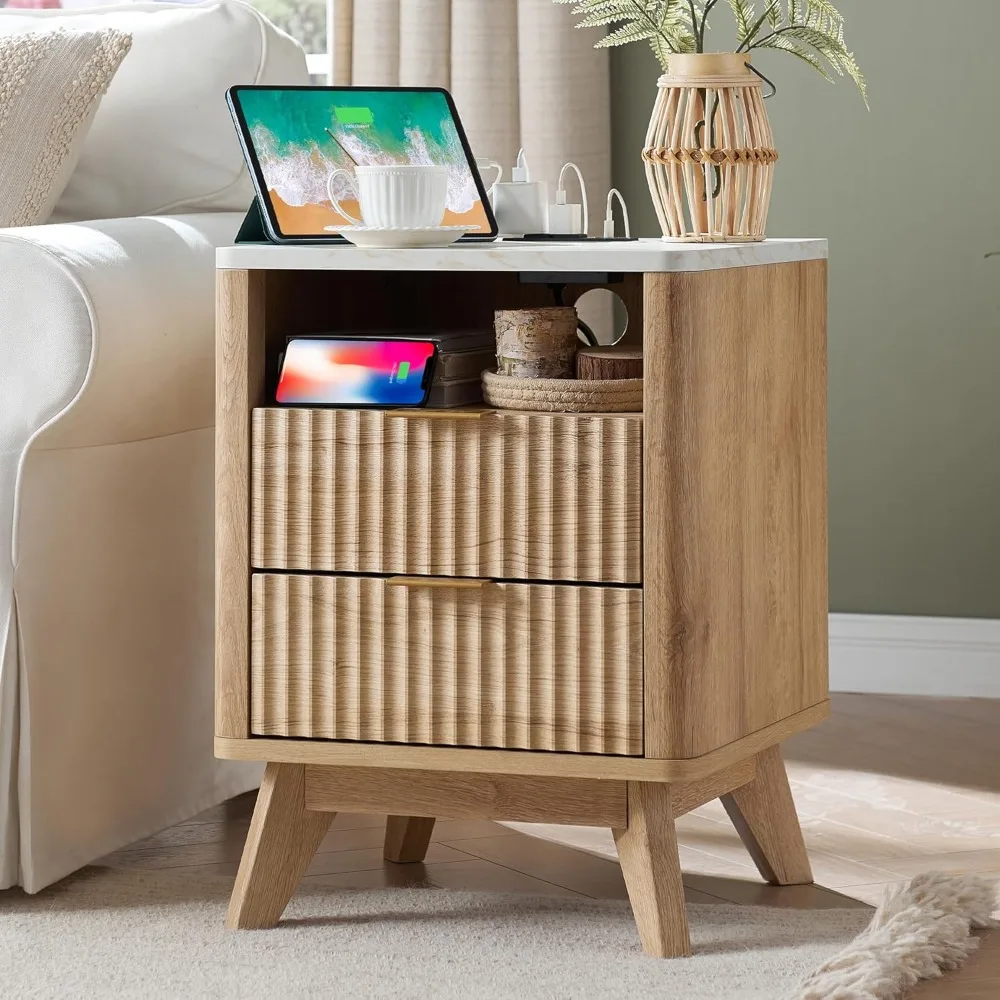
[565, 618]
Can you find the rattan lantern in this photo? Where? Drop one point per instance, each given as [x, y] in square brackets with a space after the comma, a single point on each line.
[709, 151]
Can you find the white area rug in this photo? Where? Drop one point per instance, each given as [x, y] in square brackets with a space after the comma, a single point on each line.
[150, 935]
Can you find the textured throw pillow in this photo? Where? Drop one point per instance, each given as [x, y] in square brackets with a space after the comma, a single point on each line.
[162, 142]
[50, 85]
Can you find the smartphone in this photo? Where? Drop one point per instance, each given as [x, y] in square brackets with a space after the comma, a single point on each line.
[356, 371]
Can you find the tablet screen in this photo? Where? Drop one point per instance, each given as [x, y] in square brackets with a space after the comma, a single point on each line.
[299, 136]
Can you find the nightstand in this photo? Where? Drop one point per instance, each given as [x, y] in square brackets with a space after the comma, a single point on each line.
[603, 619]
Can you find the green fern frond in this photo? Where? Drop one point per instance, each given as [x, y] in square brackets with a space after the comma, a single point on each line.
[819, 40]
[743, 12]
[810, 30]
[829, 48]
[675, 25]
[772, 15]
[604, 12]
[826, 10]
[596, 20]
[667, 24]
[784, 44]
[624, 35]
[817, 29]
[660, 50]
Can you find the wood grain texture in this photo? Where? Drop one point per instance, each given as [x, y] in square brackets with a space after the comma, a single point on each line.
[282, 840]
[608, 363]
[567, 765]
[505, 495]
[763, 813]
[647, 849]
[688, 796]
[524, 666]
[239, 385]
[735, 526]
[455, 795]
[407, 838]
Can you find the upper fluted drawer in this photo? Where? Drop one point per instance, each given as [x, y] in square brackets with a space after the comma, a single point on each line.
[505, 495]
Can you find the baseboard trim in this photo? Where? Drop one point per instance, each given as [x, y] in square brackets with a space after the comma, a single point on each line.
[898, 654]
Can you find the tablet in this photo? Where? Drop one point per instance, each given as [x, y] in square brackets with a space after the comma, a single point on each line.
[294, 138]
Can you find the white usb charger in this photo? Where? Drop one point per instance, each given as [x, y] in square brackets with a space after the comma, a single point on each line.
[520, 205]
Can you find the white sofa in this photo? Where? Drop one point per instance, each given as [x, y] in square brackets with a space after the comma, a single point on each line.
[106, 416]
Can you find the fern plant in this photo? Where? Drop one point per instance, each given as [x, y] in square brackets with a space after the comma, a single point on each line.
[811, 30]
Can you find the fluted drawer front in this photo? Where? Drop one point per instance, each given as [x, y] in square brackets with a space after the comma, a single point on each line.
[452, 663]
[508, 495]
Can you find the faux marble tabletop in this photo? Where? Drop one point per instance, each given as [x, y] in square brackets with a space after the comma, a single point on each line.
[641, 256]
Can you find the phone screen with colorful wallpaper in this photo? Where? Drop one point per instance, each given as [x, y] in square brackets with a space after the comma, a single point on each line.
[355, 372]
[299, 136]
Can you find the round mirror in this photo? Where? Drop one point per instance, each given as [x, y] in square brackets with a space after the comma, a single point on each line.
[604, 313]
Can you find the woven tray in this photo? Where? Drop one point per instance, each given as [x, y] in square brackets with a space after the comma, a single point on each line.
[563, 395]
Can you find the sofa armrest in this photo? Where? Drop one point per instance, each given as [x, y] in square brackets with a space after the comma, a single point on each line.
[106, 391]
[107, 329]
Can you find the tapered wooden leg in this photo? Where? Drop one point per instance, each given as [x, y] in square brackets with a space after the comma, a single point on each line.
[282, 840]
[648, 853]
[764, 816]
[407, 838]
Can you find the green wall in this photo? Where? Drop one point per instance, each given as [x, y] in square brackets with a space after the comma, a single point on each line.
[909, 197]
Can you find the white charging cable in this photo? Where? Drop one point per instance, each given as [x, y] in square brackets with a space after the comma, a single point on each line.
[569, 218]
[520, 174]
[484, 164]
[609, 218]
[561, 191]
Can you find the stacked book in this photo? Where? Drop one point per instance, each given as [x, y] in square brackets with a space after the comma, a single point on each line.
[462, 358]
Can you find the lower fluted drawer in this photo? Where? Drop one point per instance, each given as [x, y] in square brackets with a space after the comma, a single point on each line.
[448, 662]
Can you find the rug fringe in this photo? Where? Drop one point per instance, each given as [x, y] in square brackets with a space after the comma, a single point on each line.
[920, 931]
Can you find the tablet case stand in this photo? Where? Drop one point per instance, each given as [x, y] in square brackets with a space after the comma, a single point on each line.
[252, 231]
[252, 228]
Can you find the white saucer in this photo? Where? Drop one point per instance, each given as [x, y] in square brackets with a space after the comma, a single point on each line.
[405, 237]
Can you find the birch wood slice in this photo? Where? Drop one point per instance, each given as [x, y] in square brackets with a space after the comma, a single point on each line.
[608, 363]
[536, 343]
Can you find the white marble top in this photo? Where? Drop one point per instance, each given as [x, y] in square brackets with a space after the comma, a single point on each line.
[642, 256]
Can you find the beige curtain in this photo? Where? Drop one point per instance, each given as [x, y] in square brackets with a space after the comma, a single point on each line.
[519, 71]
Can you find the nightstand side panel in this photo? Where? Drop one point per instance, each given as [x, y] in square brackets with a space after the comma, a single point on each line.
[735, 514]
[239, 385]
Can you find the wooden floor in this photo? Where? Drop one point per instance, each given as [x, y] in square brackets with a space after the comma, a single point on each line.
[887, 788]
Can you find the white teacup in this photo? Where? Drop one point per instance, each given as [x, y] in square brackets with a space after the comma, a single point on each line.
[396, 197]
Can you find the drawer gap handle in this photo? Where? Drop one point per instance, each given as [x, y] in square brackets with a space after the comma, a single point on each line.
[426, 413]
[457, 583]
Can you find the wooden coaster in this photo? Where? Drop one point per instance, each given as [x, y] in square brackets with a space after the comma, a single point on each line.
[608, 363]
